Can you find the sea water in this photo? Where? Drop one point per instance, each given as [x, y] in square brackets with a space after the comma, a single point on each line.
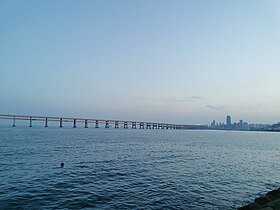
[135, 169]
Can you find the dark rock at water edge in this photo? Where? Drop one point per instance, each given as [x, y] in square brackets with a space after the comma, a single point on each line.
[271, 201]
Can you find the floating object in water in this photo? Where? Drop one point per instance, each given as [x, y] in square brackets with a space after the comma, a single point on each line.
[62, 165]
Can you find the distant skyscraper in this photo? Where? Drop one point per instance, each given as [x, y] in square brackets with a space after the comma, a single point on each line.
[228, 121]
[213, 124]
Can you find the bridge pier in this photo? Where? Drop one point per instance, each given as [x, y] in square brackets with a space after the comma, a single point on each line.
[86, 123]
[74, 125]
[107, 124]
[116, 124]
[60, 123]
[155, 126]
[46, 122]
[125, 125]
[141, 126]
[30, 122]
[14, 122]
[148, 126]
[133, 125]
[96, 124]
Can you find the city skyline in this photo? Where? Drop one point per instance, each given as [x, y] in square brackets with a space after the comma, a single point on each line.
[171, 61]
[240, 124]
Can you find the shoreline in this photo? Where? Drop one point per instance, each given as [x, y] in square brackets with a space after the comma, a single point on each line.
[270, 201]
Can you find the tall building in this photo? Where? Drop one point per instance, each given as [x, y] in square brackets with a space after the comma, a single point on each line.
[228, 120]
[213, 124]
[240, 124]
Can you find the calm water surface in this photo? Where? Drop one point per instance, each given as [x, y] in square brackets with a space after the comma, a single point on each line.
[135, 169]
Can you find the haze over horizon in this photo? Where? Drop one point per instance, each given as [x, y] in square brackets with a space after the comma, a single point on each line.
[172, 61]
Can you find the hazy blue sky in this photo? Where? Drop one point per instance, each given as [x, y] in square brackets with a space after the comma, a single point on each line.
[188, 61]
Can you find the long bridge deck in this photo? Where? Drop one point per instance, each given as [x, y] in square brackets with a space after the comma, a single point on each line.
[96, 122]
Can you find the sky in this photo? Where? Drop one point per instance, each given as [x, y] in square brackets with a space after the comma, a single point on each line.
[176, 61]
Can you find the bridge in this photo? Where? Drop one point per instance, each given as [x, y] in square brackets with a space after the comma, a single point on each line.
[86, 122]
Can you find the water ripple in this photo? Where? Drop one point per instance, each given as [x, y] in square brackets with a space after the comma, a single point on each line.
[135, 170]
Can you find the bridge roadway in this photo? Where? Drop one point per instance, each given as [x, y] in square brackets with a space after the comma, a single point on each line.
[96, 122]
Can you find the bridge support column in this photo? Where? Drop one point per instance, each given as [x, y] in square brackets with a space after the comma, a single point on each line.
[74, 125]
[125, 125]
[141, 125]
[86, 123]
[14, 122]
[107, 124]
[155, 126]
[60, 123]
[46, 122]
[30, 122]
[116, 124]
[148, 126]
[133, 125]
[96, 124]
